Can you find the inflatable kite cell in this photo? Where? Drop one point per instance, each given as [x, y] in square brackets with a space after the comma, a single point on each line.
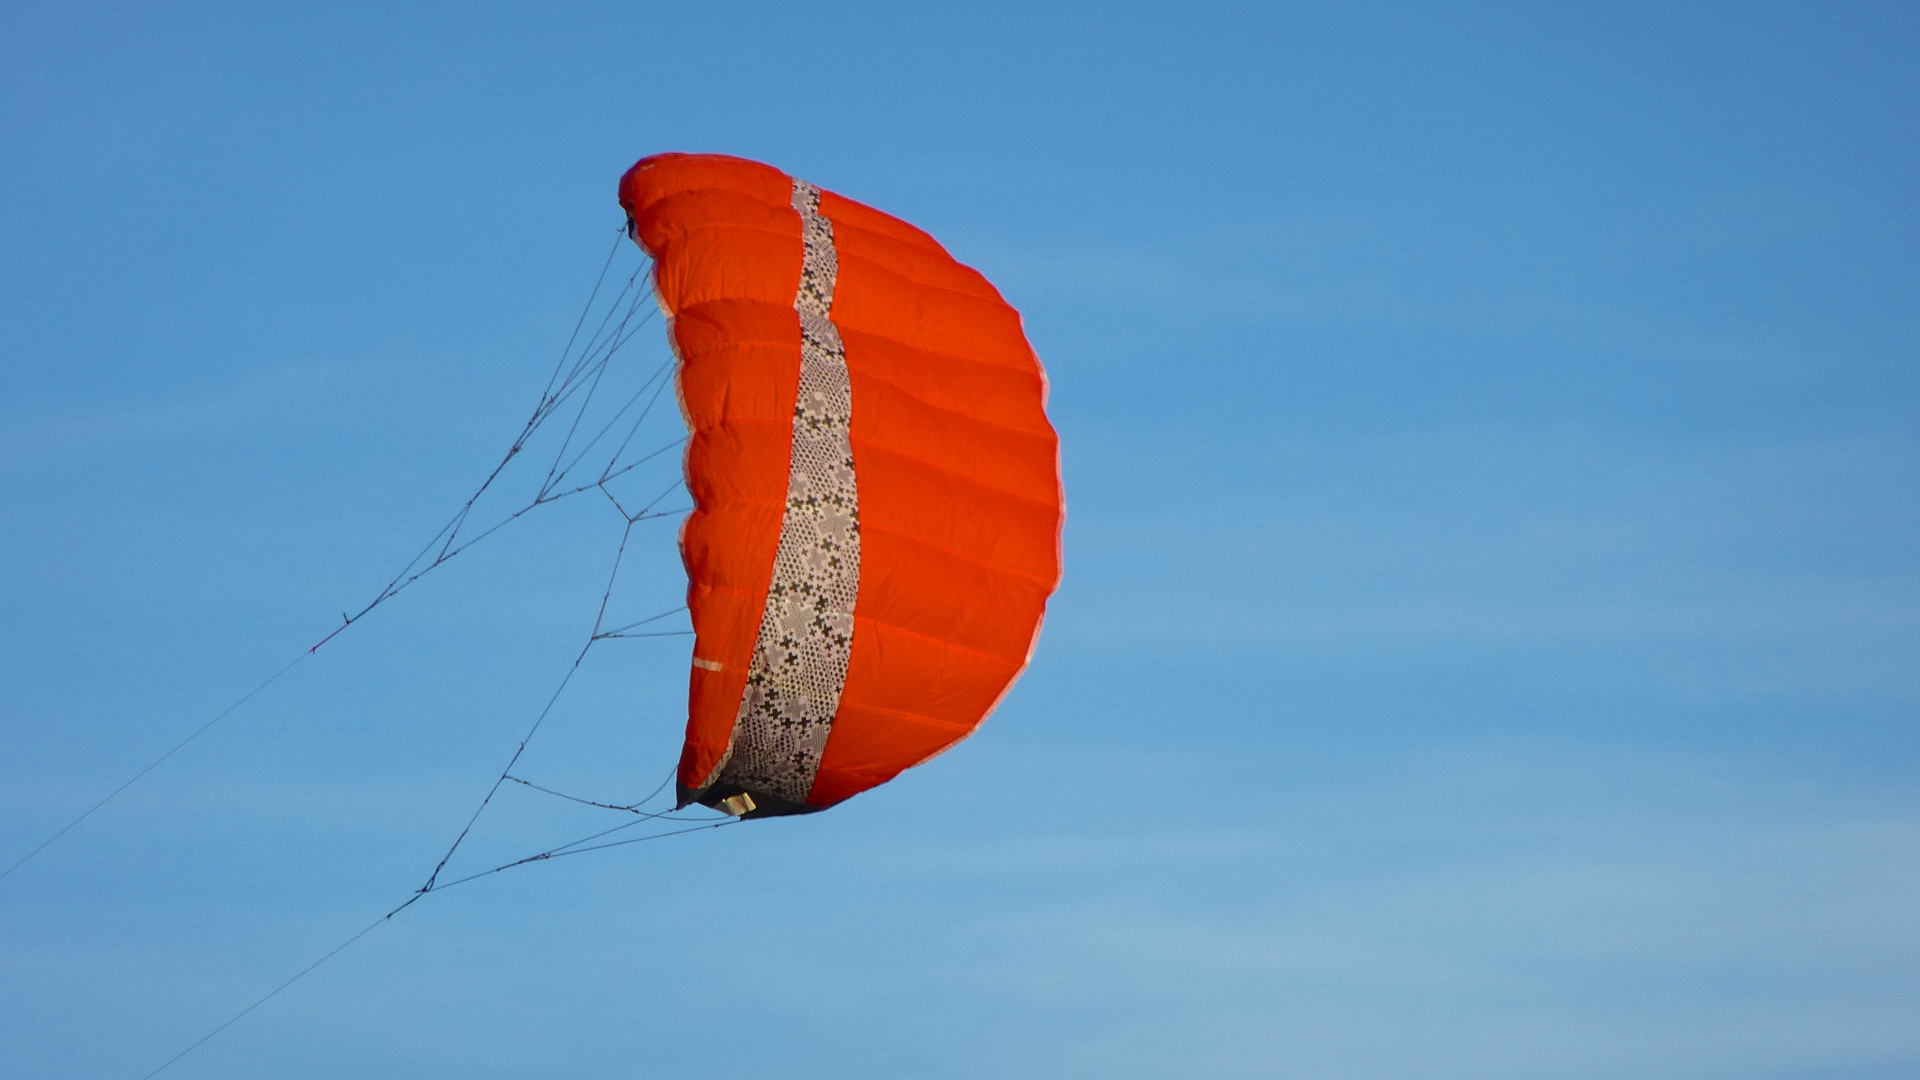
[876, 488]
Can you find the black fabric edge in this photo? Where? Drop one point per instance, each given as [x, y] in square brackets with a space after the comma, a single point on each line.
[764, 805]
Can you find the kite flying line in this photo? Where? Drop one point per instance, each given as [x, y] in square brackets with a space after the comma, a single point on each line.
[576, 847]
[577, 378]
[552, 853]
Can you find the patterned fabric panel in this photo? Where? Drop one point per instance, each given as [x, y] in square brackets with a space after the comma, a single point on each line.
[806, 634]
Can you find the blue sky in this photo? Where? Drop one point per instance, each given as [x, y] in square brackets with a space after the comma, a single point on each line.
[1488, 642]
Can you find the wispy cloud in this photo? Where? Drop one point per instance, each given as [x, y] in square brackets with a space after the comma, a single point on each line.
[34, 440]
[1480, 912]
[1349, 270]
[1512, 533]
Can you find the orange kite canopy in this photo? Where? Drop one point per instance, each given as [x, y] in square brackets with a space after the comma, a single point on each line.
[876, 488]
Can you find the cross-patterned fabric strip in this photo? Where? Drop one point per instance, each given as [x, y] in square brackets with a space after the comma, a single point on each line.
[799, 664]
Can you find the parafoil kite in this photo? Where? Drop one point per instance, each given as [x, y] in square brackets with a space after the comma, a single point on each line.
[876, 487]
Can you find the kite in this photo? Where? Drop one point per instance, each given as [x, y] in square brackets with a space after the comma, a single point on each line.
[876, 486]
[876, 499]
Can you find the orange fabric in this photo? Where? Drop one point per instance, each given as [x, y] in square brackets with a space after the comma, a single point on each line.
[956, 465]
[726, 249]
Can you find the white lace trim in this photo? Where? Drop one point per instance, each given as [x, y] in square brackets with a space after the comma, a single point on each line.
[799, 664]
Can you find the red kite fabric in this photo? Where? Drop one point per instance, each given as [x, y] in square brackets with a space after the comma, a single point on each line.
[876, 488]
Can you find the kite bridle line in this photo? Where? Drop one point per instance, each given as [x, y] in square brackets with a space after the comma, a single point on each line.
[581, 846]
[577, 378]
[577, 369]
